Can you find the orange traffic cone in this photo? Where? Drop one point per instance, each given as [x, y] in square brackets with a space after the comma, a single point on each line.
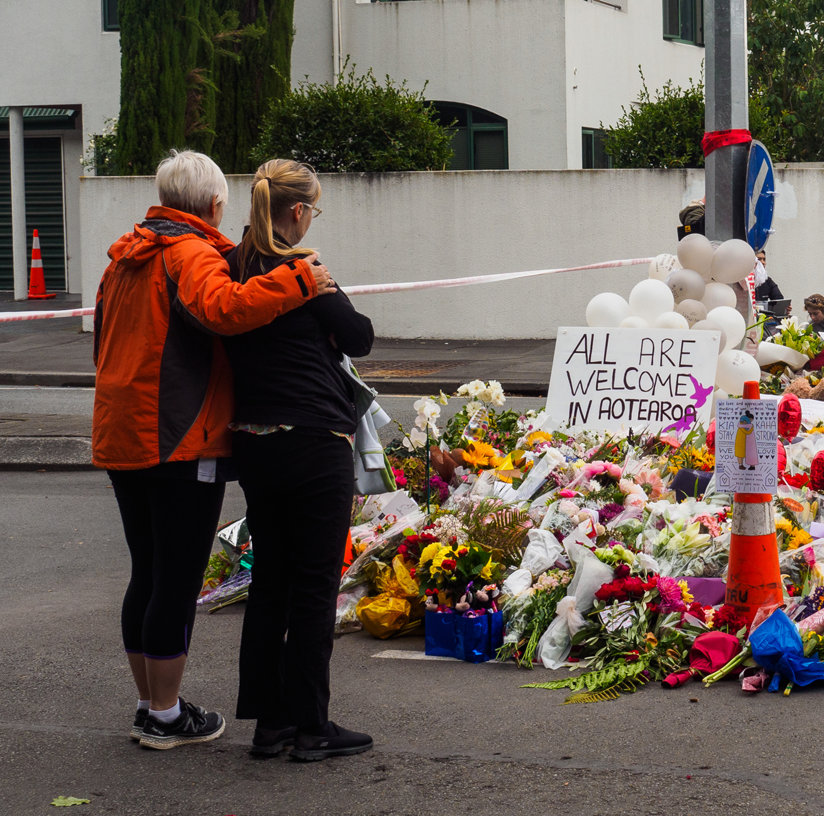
[37, 283]
[753, 575]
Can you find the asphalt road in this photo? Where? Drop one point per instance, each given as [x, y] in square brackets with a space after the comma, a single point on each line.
[77, 403]
[449, 737]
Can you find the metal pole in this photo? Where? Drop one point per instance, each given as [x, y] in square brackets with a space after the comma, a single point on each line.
[726, 108]
[18, 203]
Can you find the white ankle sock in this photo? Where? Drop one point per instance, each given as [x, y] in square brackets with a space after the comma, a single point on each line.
[143, 705]
[167, 716]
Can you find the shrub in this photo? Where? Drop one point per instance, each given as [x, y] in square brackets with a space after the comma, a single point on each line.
[355, 125]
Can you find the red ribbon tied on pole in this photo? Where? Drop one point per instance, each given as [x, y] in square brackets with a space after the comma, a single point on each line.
[724, 138]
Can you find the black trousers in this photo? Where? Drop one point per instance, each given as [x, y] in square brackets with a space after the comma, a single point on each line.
[298, 486]
[170, 527]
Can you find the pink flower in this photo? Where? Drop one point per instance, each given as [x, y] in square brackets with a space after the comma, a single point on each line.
[566, 493]
[650, 480]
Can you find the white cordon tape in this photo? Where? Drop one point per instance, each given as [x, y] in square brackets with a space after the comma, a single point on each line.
[10, 317]
[379, 288]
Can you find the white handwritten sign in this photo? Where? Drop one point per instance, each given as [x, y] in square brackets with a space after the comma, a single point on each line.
[654, 379]
[746, 446]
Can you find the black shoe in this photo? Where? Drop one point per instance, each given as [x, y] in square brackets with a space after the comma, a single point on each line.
[194, 724]
[139, 723]
[271, 741]
[335, 741]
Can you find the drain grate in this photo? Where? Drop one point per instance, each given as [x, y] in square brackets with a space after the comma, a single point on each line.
[399, 368]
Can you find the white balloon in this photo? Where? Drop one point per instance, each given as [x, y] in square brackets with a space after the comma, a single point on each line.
[661, 266]
[686, 283]
[732, 261]
[606, 309]
[693, 310]
[649, 298]
[634, 322]
[706, 325]
[736, 367]
[695, 252]
[731, 321]
[670, 320]
[718, 294]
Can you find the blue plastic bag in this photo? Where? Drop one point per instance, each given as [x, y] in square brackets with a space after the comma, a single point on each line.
[474, 640]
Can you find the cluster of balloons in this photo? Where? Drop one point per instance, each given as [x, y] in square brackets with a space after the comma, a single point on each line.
[690, 291]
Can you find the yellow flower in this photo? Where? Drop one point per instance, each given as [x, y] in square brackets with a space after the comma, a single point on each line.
[651, 640]
[798, 538]
[686, 595]
[486, 572]
[429, 552]
[538, 436]
[480, 454]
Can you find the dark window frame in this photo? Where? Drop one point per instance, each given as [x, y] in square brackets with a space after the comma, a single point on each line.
[593, 136]
[467, 131]
[680, 17]
[109, 15]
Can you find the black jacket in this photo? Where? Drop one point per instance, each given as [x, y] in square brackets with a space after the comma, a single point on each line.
[288, 372]
[768, 291]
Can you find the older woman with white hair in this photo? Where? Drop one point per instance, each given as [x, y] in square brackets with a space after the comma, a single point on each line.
[163, 403]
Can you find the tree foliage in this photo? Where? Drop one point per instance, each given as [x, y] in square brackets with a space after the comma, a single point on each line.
[355, 125]
[198, 74]
[251, 69]
[665, 129]
[786, 77]
[786, 71]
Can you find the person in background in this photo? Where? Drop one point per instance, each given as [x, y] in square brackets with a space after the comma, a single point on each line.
[295, 418]
[161, 413]
[814, 306]
[765, 287]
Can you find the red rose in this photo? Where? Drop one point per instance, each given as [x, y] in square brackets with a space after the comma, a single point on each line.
[621, 571]
[463, 551]
[403, 549]
[632, 656]
[634, 586]
[412, 572]
[449, 564]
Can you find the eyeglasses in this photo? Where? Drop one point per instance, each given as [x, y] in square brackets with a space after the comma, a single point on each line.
[316, 211]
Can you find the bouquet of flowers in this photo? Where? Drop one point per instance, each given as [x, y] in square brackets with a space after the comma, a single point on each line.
[805, 340]
[447, 573]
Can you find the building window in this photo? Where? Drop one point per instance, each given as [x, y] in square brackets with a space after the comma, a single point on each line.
[111, 20]
[479, 141]
[684, 21]
[593, 155]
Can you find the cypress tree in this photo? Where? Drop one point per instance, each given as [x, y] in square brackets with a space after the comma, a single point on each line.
[252, 69]
[166, 98]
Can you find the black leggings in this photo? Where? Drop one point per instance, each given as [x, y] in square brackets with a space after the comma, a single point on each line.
[170, 526]
[298, 486]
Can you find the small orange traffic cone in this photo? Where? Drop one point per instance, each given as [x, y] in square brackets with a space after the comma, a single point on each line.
[753, 574]
[37, 283]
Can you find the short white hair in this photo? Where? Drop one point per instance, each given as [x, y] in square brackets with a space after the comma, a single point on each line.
[188, 181]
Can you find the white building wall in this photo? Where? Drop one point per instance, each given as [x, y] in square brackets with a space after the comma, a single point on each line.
[604, 49]
[505, 57]
[56, 54]
[390, 228]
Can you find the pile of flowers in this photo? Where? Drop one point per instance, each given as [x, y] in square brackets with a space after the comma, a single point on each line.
[579, 539]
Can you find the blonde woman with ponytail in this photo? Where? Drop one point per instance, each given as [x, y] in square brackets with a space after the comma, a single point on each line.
[295, 419]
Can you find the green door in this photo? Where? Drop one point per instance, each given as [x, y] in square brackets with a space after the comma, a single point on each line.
[44, 210]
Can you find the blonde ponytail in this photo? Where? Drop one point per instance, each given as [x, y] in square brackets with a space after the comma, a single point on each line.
[278, 185]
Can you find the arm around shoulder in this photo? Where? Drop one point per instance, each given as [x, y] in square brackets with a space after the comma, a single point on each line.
[224, 306]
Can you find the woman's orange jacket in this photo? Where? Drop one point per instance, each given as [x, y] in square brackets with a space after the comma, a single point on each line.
[163, 391]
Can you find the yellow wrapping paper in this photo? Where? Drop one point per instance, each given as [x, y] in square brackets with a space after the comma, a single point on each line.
[397, 608]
